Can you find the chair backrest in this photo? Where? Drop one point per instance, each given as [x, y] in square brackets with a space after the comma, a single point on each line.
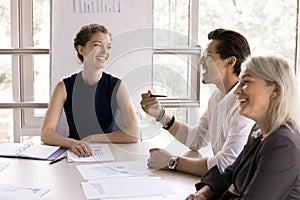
[149, 128]
[62, 126]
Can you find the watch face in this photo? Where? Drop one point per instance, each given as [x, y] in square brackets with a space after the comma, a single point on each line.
[172, 162]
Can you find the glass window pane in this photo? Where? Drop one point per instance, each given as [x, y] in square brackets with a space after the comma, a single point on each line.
[170, 75]
[41, 78]
[5, 29]
[6, 124]
[270, 26]
[41, 81]
[41, 23]
[6, 115]
[171, 24]
[5, 79]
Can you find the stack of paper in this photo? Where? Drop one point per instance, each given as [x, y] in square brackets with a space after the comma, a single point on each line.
[126, 187]
[113, 169]
[125, 180]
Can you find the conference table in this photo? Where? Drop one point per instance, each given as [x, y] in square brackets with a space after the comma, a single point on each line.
[63, 178]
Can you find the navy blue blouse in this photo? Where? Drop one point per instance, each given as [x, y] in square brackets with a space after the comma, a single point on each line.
[91, 109]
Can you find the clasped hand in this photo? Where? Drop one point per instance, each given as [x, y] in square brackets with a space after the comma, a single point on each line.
[158, 159]
[197, 196]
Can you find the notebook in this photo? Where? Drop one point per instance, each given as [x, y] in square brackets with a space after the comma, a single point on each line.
[30, 150]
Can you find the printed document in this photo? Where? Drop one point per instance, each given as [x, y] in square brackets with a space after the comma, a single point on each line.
[16, 192]
[126, 187]
[101, 152]
[113, 169]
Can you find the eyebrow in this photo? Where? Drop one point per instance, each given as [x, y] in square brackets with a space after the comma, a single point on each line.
[99, 41]
[246, 75]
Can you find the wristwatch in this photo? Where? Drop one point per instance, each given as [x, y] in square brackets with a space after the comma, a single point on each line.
[173, 162]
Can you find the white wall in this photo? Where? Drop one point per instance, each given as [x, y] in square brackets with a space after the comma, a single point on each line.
[129, 21]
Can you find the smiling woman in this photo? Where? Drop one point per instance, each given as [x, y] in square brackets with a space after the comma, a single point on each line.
[267, 94]
[254, 96]
[97, 105]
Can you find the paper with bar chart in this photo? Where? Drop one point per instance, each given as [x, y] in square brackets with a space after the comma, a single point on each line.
[101, 153]
[96, 6]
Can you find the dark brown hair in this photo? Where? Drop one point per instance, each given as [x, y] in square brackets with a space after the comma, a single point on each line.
[231, 44]
[86, 33]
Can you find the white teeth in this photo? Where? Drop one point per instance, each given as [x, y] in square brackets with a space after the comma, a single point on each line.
[100, 58]
[242, 100]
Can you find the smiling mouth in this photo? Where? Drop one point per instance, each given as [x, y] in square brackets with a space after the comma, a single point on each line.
[101, 58]
[244, 100]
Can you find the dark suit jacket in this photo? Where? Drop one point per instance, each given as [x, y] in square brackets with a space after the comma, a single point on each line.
[266, 169]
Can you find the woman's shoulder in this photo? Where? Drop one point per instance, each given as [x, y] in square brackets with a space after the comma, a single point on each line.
[70, 80]
[71, 77]
[284, 145]
[59, 86]
[286, 131]
[110, 80]
[286, 135]
[109, 76]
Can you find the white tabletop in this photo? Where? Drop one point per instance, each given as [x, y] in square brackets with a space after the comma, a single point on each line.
[64, 180]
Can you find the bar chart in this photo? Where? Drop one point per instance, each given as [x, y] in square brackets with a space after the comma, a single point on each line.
[96, 6]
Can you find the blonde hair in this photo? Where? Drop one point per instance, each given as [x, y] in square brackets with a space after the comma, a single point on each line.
[275, 69]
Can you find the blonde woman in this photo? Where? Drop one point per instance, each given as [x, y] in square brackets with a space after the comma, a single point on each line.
[269, 165]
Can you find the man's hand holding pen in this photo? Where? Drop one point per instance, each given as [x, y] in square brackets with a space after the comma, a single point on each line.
[157, 95]
[150, 104]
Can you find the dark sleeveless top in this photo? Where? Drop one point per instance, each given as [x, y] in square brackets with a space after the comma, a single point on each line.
[91, 109]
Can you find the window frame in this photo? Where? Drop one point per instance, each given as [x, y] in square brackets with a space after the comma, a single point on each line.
[25, 123]
[194, 51]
